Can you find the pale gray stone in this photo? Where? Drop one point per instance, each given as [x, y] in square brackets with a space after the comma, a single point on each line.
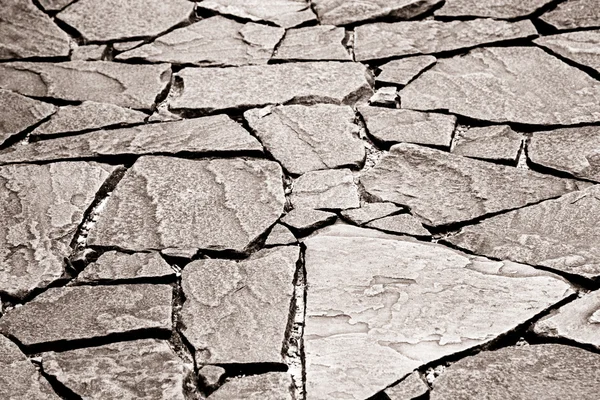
[307, 138]
[499, 84]
[55, 5]
[284, 13]
[91, 52]
[215, 41]
[217, 204]
[303, 221]
[88, 312]
[386, 96]
[495, 143]
[403, 224]
[125, 85]
[499, 9]
[327, 189]
[574, 14]
[553, 371]
[19, 113]
[581, 47]
[269, 386]
[211, 375]
[128, 45]
[384, 40]
[402, 71]
[114, 265]
[313, 43]
[442, 188]
[379, 306]
[369, 212]
[280, 236]
[411, 387]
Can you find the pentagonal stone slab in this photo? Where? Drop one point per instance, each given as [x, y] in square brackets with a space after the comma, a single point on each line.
[573, 14]
[581, 47]
[495, 143]
[499, 9]
[402, 71]
[269, 386]
[328, 189]
[116, 266]
[321, 42]
[19, 113]
[284, 13]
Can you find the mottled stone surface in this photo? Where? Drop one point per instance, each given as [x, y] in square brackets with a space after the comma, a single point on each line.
[284, 13]
[280, 236]
[443, 188]
[135, 86]
[307, 138]
[403, 224]
[238, 311]
[115, 19]
[401, 72]
[561, 234]
[582, 47]
[141, 369]
[386, 96]
[211, 375]
[499, 9]
[407, 126]
[383, 40]
[498, 84]
[91, 52]
[328, 189]
[369, 212]
[378, 306]
[410, 388]
[496, 143]
[54, 5]
[555, 371]
[41, 207]
[269, 386]
[88, 312]
[572, 150]
[573, 14]
[19, 113]
[320, 43]
[228, 203]
[215, 41]
[304, 221]
[114, 265]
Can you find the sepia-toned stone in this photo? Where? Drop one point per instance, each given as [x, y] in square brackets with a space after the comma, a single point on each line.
[302, 221]
[280, 236]
[369, 212]
[19, 113]
[411, 387]
[116, 266]
[268, 386]
[581, 47]
[211, 376]
[313, 43]
[495, 143]
[403, 224]
[284, 13]
[574, 14]
[401, 72]
[54, 5]
[386, 96]
[328, 189]
[499, 9]
[90, 52]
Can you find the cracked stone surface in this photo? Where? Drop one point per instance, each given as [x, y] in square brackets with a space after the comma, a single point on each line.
[19, 113]
[92, 52]
[370, 212]
[54, 5]
[305, 220]
[313, 43]
[524, 372]
[384, 40]
[211, 375]
[269, 386]
[402, 224]
[115, 266]
[366, 321]
[329, 189]
[581, 47]
[402, 71]
[495, 143]
[307, 138]
[280, 236]
[410, 388]
[214, 41]
[386, 96]
[499, 9]
[284, 13]
[573, 14]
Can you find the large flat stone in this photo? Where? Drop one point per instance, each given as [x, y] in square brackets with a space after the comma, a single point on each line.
[384, 40]
[561, 234]
[269, 386]
[219, 204]
[19, 113]
[401, 72]
[379, 306]
[41, 207]
[116, 266]
[494, 143]
[212, 89]
[284, 13]
[581, 47]
[498, 84]
[327, 189]
[313, 43]
[215, 41]
[574, 14]
[310, 138]
[238, 312]
[499, 9]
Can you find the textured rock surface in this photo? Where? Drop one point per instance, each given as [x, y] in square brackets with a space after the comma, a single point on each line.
[410, 388]
[498, 84]
[561, 234]
[443, 188]
[401, 72]
[378, 306]
[284, 13]
[87, 312]
[41, 207]
[135, 86]
[321, 42]
[215, 41]
[19, 113]
[304, 221]
[559, 372]
[280, 236]
[582, 47]
[496, 143]
[54, 5]
[384, 40]
[238, 312]
[403, 224]
[499, 9]
[211, 375]
[91, 52]
[306, 138]
[114, 265]
[386, 96]
[573, 14]
[141, 369]
[269, 386]
[329, 189]
[369, 212]
[211, 89]
[572, 150]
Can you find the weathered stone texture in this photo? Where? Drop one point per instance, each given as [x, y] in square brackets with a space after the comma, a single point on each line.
[19, 113]
[280, 236]
[581, 47]
[211, 376]
[54, 5]
[304, 220]
[402, 71]
[269, 386]
[386, 96]
[411, 387]
[328, 189]
[313, 43]
[495, 143]
[403, 224]
[369, 212]
[91, 52]
[573, 14]
[499, 9]
[114, 265]
[284, 13]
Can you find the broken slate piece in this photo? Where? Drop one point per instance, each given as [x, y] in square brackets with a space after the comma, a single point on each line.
[89, 312]
[369, 212]
[19, 113]
[581, 47]
[280, 236]
[41, 207]
[90, 52]
[116, 266]
[386, 96]
[328, 189]
[215, 41]
[383, 40]
[401, 72]
[313, 43]
[211, 376]
[303, 221]
[125, 85]
[212, 89]
[574, 14]
[238, 311]
[216, 204]
[442, 188]
[494, 143]
[498, 84]
[307, 138]
[134, 370]
[498, 9]
[403, 224]
[411, 387]
[269, 386]
[379, 306]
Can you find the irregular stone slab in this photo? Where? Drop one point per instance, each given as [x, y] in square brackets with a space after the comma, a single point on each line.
[212, 89]
[344, 12]
[201, 135]
[25, 32]
[572, 150]
[88, 312]
[379, 306]
[303, 221]
[125, 85]
[495, 143]
[574, 14]
[320, 42]
[41, 207]
[411, 387]
[369, 212]
[398, 126]
[269, 386]
[548, 234]
[403, 224]
[522, 373]
[329, 189]
[499, 9]
[126, 46]
[280, 236]
[211, 376]
[498, 84]
[284, 13]
[115, 20]
[228, 204]
[401, 72]
[55, 5]
[309, 138]
[19, 113]
[384, 40]
[442, 188]
[582, 47]
[215, 41]
[92, 52]
[114, 266]
[238, 312]
[20, 379]
[386, 96]
[141, 369]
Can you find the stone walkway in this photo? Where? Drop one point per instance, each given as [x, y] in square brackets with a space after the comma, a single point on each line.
[277, 199]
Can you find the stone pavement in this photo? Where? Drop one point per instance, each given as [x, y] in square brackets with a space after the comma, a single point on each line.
[293, 199]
